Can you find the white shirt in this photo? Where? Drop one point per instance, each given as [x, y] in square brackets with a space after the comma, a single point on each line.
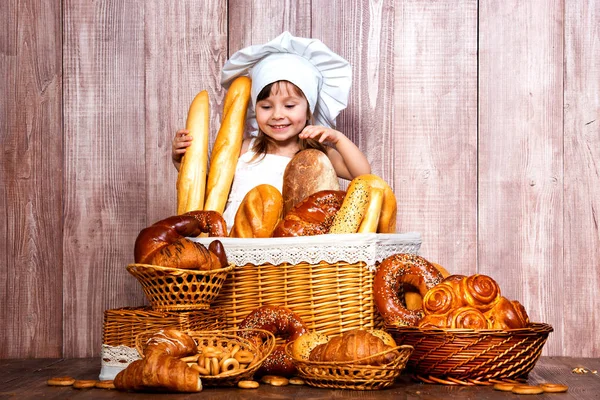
[248, 175]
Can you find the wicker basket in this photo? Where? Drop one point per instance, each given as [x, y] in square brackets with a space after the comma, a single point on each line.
[350, 375]
[122, 325]
[469, 357]
[327, 279]
[174, 289]
[225, 340]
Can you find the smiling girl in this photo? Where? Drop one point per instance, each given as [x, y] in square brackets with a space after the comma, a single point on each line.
[295, 81]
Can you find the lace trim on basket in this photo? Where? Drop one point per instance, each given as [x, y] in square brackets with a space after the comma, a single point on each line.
[118, 356]
[370, 248]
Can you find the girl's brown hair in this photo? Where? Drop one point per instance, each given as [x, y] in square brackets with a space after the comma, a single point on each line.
[264, 142]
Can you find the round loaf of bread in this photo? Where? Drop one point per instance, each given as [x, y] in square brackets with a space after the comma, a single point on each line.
[310, 171]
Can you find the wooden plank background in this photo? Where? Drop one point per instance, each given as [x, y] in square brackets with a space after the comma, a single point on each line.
[484, 116]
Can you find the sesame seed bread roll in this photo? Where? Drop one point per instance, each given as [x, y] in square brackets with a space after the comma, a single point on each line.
[228, 144]
[191, 180]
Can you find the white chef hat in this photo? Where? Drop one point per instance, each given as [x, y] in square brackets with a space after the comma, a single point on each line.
[323, 76]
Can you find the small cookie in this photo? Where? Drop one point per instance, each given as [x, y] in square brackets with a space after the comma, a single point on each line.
[504, 387]
[527, 389]
[268, 378]
[105, 385]
[84, 383]
[248, 384]
[296, 381]
[279, 381]
[553, 387]
[61, 381]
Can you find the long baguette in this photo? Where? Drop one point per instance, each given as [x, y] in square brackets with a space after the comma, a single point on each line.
[228, 144]
[191, 181]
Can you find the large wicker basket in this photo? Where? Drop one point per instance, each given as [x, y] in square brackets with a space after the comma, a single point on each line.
[122, 325]
[225, 340]
[469, 357]
[327, 279]
[174, 289]
[352, 375]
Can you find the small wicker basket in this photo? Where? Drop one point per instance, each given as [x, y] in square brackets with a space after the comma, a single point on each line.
[122, 325]
[174, 289]
[352, 375]
[226, 340]
[469, 357]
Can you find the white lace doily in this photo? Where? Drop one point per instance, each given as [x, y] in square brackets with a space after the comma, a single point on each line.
[351, 248]
[115, 359]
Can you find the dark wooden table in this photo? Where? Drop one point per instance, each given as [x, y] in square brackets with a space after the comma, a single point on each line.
[26, 379]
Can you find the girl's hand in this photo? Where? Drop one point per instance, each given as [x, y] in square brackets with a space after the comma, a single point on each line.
[180, 143]
[321, 134]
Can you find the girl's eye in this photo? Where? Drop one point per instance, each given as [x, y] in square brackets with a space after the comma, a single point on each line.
[265, 107]
[290, 106]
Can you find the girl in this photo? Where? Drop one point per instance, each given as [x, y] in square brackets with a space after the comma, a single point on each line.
[295, 81]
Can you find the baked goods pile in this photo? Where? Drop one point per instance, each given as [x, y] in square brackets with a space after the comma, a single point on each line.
[453, 302]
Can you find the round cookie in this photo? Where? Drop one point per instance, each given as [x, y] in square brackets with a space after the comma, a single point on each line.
[61, 381]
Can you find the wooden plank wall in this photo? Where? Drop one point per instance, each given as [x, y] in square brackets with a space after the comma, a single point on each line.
[484, 116]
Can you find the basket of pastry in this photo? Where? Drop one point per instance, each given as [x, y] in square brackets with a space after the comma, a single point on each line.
[178, 361]
[312, 250]
[175, 272]
[463, 330]
[358, 359]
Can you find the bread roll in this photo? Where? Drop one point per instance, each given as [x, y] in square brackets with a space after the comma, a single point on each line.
[310, 171]
[259, 213]
[312, 216]
[369, 206]
[191, 180]
[227, 146]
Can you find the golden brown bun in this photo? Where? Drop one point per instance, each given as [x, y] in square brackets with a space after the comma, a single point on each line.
[310, 171]
[227, 146]
[353, 345]
[312, 216]
[468, 318]
[259, 213]
[384, 336]
[507, 314]
[191, 180]
[413, 298]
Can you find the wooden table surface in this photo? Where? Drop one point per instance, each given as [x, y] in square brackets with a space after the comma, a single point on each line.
[26, 379]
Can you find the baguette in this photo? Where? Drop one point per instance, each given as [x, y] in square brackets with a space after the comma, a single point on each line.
[228, 144]
[191, 180]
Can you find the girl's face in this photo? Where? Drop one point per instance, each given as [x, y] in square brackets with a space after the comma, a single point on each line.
[283, 114]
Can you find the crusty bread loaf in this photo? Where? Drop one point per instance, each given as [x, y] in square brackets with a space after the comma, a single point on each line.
[312, 216]
[259, 213]
[227, 146]
[369, 206]
[191, 180]
[310, 171]
[355, 345]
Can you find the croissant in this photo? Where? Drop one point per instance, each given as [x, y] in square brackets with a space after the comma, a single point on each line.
[352, 346]
[171, 342]
[508, 314]
[311, 216]
[164, 243]
[159, 372]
